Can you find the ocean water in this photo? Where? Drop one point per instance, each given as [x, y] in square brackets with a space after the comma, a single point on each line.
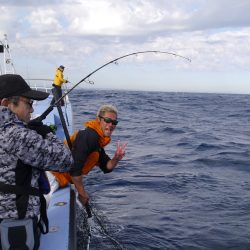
[185, 180]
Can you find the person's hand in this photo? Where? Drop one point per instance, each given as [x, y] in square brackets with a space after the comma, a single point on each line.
[66, 81]
[120, 150]
[53, 128]
[83, 198]
[40, 128]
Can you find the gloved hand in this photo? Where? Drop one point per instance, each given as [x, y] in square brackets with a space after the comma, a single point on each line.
[66, 81]
[40, 128]
[53, 128]
[84, 198]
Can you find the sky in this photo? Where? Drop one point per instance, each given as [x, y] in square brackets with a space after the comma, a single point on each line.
[83, 35]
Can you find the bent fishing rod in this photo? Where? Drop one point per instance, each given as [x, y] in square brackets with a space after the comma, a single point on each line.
[50, 108]
[58, 101]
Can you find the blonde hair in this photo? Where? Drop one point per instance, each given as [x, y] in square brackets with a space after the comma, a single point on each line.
[106, 108]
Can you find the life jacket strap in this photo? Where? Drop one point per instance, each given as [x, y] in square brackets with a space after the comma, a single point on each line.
[17, 189]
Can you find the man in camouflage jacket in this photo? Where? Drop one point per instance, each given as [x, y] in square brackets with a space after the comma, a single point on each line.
[17, 142]
[24, 153]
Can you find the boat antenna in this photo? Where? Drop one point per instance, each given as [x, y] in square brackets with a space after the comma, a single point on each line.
[8, 66]
[50, 108]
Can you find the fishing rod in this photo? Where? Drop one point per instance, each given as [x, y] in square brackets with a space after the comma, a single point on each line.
[50, 108]
[87, 206]
[66, 132]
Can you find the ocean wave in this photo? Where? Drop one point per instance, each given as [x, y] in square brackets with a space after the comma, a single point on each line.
[184, 182]
[207, 146]
[171, 130]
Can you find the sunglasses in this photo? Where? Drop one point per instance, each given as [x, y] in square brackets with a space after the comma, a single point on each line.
[109, 120]
[30, 103]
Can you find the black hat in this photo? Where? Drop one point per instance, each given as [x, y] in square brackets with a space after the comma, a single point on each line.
[15, 85]
[61, 66]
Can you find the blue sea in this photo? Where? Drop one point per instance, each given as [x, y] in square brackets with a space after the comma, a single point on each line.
[185, 180]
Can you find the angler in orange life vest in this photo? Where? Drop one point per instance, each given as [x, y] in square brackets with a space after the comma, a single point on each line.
[88, 150]
[57, 84]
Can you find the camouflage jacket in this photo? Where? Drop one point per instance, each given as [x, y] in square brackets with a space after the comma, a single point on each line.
[17, 142]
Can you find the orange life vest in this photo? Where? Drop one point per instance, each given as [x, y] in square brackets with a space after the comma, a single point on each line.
[92, 160]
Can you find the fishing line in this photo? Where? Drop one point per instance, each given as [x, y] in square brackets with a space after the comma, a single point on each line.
[115, 242]
[90, 213]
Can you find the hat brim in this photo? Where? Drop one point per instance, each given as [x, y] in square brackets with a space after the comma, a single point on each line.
[35, 95]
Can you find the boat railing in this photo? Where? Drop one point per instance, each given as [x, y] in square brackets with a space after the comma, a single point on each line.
[44, 85]
[40, 84]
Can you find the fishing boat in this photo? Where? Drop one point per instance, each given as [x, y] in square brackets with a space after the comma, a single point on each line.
[62, 202]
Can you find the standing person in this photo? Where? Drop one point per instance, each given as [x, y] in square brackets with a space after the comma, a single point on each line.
[88, 150]
[57, 84]
[25, 155]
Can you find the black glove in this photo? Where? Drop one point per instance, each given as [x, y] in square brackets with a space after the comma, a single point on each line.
[66, 81]
[40, 128]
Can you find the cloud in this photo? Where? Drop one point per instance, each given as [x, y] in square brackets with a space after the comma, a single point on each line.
[29, 3]
[220, 14]
[44, 21]
[123, 18]
[214, 34]
[4, 20]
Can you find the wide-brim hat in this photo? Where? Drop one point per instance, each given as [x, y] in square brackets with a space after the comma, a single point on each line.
[15, 85]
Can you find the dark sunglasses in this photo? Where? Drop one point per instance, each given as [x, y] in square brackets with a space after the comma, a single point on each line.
[30, 103]
[109, 120]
